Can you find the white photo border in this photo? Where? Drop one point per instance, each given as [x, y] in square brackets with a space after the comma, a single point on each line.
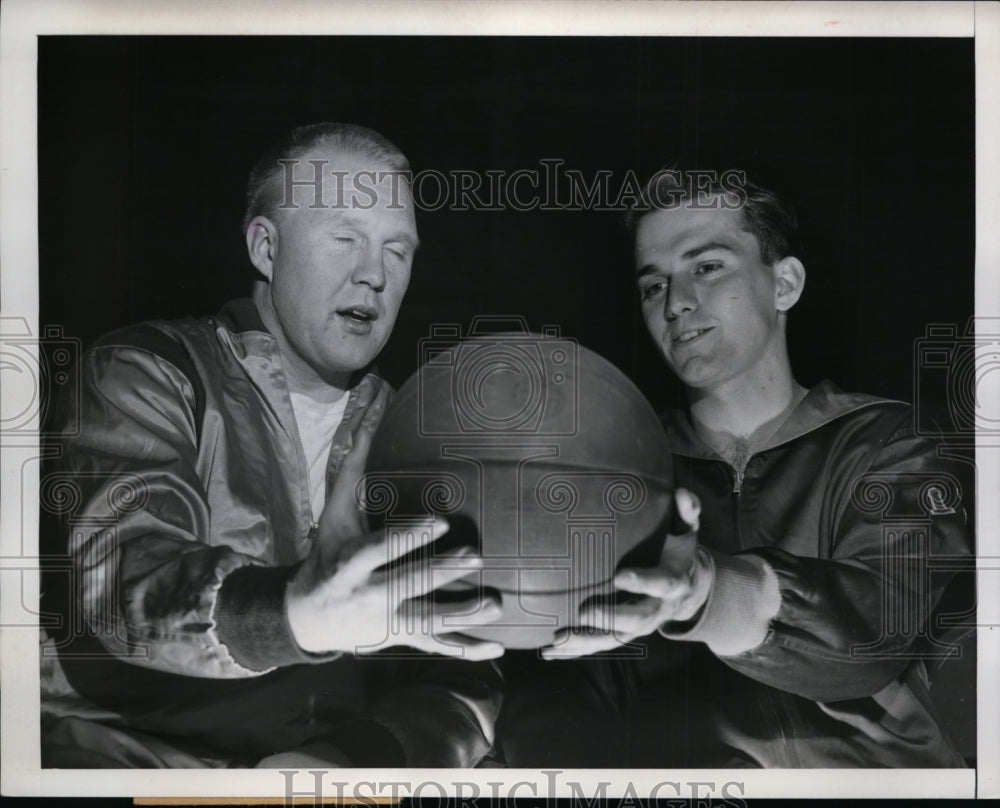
[21, 22]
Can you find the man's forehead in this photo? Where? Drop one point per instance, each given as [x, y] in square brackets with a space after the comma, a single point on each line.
[673, 228]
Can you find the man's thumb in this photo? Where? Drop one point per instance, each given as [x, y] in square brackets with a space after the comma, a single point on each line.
[686, 513]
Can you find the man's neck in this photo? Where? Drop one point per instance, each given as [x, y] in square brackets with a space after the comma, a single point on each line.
[302, 379]
[742, 405]
[299, 375]
[739, 424]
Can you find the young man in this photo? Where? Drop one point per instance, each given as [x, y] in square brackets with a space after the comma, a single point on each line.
[229, 583]
[789, 583]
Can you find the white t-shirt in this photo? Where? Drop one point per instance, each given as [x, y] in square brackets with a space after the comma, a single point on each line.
[317, 422]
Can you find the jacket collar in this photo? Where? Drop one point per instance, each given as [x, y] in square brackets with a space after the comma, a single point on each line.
[821, 405]
[241, 315]
[242, 320]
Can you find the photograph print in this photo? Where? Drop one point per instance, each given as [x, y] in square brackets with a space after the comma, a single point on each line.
[507, 402]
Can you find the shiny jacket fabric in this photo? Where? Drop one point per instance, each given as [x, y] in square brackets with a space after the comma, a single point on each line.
[821, 550]
[190, 513]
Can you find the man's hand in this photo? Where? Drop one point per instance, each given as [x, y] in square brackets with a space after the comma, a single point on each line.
[345, 598]
[674, 590]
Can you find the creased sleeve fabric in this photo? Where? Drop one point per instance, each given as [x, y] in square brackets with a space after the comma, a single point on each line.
[186, 516]
[148, 577]
[840, 624]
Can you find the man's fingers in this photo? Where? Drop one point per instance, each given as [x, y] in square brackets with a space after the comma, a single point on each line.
[686, 515]
[635, 619]
[572, 643]
[367, 553]
[423, 575]
[459, 646]
[679, 546]
[643, 581]
[451, 616]
[478, 608]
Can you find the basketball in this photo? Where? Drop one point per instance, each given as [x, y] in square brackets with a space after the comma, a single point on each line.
[540, 453]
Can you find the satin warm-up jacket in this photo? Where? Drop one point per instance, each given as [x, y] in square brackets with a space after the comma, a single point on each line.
[191, 511]
[830, 550]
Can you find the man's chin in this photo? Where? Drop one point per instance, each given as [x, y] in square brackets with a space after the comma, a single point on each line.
[696, 373]
[352, 356]
[335, 369]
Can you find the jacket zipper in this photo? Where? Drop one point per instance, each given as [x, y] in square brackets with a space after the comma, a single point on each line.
[303, 467]
[737, 502]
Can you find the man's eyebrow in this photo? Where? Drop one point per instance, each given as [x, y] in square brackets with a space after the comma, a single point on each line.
[413, 242]
[694, 252]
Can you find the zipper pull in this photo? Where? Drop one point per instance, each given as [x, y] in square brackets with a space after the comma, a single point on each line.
[313, 530]
[737, 480]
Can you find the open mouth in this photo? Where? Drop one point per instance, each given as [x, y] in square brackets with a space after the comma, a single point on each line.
[359, 314]
[688, 336]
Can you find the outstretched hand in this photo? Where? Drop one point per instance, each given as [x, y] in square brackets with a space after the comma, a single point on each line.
[674, 590]
[352, 592]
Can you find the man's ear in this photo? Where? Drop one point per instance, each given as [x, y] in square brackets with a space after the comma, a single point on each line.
[262, 245]
[789, 281]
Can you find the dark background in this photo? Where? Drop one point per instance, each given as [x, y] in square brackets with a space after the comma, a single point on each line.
[145, 143]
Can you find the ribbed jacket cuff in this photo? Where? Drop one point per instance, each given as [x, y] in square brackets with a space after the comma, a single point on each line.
[251, 621]
[745, 597]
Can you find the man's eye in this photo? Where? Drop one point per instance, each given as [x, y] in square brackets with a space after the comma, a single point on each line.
[708, 268]
[396, 253]
[652, 290]
[344, 239]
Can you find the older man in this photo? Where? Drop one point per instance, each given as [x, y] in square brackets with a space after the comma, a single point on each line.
[787, 595]
[223, 590]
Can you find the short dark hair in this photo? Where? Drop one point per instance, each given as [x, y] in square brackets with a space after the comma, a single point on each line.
[766, 214]
[263, 188]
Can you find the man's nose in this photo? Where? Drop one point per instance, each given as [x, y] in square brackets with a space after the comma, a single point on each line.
[370, 269]
[681, 298]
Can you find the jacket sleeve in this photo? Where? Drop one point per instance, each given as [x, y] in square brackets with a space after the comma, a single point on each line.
[846, 625]
[156, 594]
[147, 580]
[441, 712]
